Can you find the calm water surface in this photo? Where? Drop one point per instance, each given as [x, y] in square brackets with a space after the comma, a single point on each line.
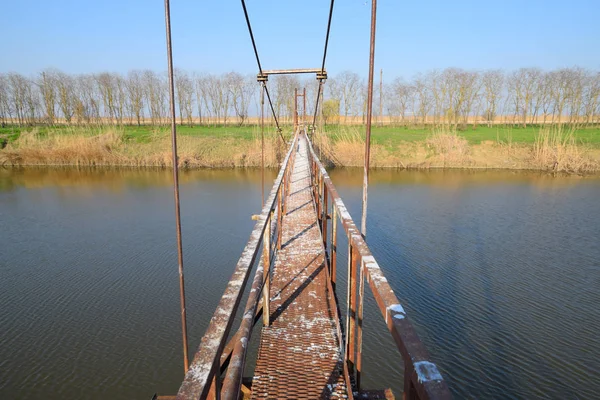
[499, 272]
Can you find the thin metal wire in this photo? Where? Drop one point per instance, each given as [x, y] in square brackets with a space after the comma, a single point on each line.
[317, 104]
[176, 185]
[274, 115]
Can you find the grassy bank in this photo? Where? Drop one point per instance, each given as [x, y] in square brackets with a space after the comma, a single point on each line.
[553, 148]
[139, 147]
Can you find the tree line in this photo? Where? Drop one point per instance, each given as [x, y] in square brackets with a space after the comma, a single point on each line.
[451, 96]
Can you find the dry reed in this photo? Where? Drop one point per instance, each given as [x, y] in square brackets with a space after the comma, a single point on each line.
[556, 149]
[107, 147]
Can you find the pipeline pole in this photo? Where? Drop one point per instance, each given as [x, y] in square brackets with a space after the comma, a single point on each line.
[363, 226]
[176, 186]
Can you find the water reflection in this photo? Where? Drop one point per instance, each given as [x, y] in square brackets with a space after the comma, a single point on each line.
[499, 271]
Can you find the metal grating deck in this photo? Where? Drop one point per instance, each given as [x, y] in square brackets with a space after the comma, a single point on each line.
[299, 355]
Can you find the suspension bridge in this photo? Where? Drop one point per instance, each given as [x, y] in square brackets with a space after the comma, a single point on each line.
[307, 350]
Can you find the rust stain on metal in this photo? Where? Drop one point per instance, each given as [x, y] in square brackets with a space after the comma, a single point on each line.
[299, 354]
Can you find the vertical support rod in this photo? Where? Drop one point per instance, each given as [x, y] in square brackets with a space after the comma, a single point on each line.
[320, 191]
[176, 186]
[321, 128]
[304, 109]
[361, 293]
[280, 213]
[363, 225]
[262, 145]
[333, 250]
[352, 340]
[351, 301]
[295, 109]
[324, 223]
[266, 270]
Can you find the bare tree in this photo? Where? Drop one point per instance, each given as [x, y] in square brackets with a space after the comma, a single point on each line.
[592, 96]
[522, 84]
[284, 96]
[493, 83]
[202, 97]
[184, 87]
[135, 93]
[106, 86]
[5, 109]
[241, 90]
[47, 83]
[346, 86]
[422, 99]
[153, 96]
[402, 93]
[89, 103]
[65, 85]
[25, 98]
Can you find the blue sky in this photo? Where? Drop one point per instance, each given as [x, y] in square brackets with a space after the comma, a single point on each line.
[211, 36]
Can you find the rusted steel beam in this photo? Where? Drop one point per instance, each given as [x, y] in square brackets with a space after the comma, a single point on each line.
[425, 378]
[293, 71]
[207, 359]
[233, 378]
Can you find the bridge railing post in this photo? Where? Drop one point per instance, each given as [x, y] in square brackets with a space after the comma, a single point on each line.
[266, 270]
[324, 222]
[359, 336]
[351, 308]
[279, 216]
[333, 247]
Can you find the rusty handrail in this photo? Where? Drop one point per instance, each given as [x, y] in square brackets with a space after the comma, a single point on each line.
[203, 371]
[422, 378]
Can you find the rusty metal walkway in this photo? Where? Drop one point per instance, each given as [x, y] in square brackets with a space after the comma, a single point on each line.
[300, 353]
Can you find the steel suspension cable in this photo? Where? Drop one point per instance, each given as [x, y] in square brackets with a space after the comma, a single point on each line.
[327, 35]
[251, 36]
[260, 67]
[273, 111]
[323, 64]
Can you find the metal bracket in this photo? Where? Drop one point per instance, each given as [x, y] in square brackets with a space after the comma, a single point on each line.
[321, 76]
[262, 77]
